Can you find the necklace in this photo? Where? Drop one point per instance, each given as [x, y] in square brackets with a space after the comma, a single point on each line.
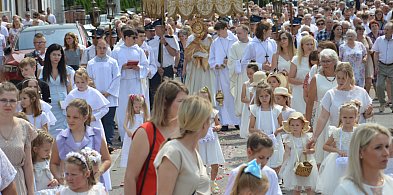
[265, 49]
[9, 137]
[330, 80]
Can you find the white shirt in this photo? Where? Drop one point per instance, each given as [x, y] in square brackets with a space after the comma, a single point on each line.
[51, 19]
[347, 187]
[219, 50]
[27, 23]
[258, 50]
[7, 171]
[4, 31]
[2, 44]
[107, 68]
[153, 62]
[384, 47]
[90, 53]
[274, 188]
[99, 104]
[38, 121]
[168, 60]
[123, 54]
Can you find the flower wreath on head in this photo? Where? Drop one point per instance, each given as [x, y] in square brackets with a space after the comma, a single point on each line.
[79, 156]
[92, 155]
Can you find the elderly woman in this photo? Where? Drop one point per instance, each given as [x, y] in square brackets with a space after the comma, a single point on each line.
[344, 92]
[179, 166]
[369, 149]
[299, 69]
[320, 84]
[355, 53]
[15, 139]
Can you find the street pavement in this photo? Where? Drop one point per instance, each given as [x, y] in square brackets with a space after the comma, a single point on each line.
[234, 149]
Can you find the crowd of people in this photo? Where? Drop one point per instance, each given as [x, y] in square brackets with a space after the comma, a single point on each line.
[298, 89]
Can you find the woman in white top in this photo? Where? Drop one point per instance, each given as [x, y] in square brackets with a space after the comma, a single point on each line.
[320, 83]
[344, 92]
[7, 175]
[285, 52]
[369, 153]
[298, 71]
[179, 167]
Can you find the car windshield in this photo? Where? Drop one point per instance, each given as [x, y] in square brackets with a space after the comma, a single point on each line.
[25, 40]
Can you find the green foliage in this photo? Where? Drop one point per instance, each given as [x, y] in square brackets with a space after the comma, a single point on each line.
[87, 5]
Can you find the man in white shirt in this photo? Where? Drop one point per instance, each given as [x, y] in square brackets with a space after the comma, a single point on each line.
[166, 50]
[384, 61]
[27, 21]
[218, 58]
[50, 17]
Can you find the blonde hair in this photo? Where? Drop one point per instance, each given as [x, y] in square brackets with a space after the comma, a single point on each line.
[84, 166]
[248, 181]
[300, 51]
[192, 114]
[163, 99]
[263, 87]
[361, 138]
[352, 105]
[346, 68]
[82, 73]
[130, 113]
[206, 91]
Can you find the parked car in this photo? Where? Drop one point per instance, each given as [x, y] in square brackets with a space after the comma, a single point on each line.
[53, 33]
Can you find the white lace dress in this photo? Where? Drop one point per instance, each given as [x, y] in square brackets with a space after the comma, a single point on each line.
[330, 172]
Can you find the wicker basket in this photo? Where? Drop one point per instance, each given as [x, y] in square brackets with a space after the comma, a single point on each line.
[303, 169]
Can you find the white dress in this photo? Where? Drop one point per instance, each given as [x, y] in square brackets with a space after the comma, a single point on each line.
[99, 104]
[7, 171]
[347, 187]
[297, 101]
[290, 180]
[334, 98]
[330, 172]
[245, 118]
[97, 189]
[283, 64]
[209, 146]
[38, 121]
[323, 85]
[42, 177]
[138, 121]
[267, 121]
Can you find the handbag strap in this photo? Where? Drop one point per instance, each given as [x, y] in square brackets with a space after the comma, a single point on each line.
[148, 159]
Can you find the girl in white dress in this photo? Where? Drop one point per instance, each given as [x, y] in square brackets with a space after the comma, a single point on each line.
[265, 117]
[283, 98]
[80, 176]
[297, 150]
[93, 97]
[285, 52]
[335, 164]
[44, 182]
[136, 114]
[250, 180]
[246, 99]
[298, 71]
[209, 146]
[31, 106]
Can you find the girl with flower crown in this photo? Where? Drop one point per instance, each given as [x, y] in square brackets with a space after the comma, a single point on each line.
[80, 177]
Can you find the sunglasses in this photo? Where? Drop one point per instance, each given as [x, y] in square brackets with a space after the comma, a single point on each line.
[320, 24]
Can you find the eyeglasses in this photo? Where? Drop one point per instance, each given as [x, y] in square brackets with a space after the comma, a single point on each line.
[320, 24]
[40, 42]
[10, 101]
[134, 37]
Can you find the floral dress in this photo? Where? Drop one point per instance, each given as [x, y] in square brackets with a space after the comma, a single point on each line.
[355, 57]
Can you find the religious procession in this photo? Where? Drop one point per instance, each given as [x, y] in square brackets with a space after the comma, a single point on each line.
[303, 85]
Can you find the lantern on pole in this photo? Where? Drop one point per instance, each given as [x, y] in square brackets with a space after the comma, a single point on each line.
[110, 14]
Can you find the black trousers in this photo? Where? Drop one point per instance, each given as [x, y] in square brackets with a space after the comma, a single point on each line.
[155, 82]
